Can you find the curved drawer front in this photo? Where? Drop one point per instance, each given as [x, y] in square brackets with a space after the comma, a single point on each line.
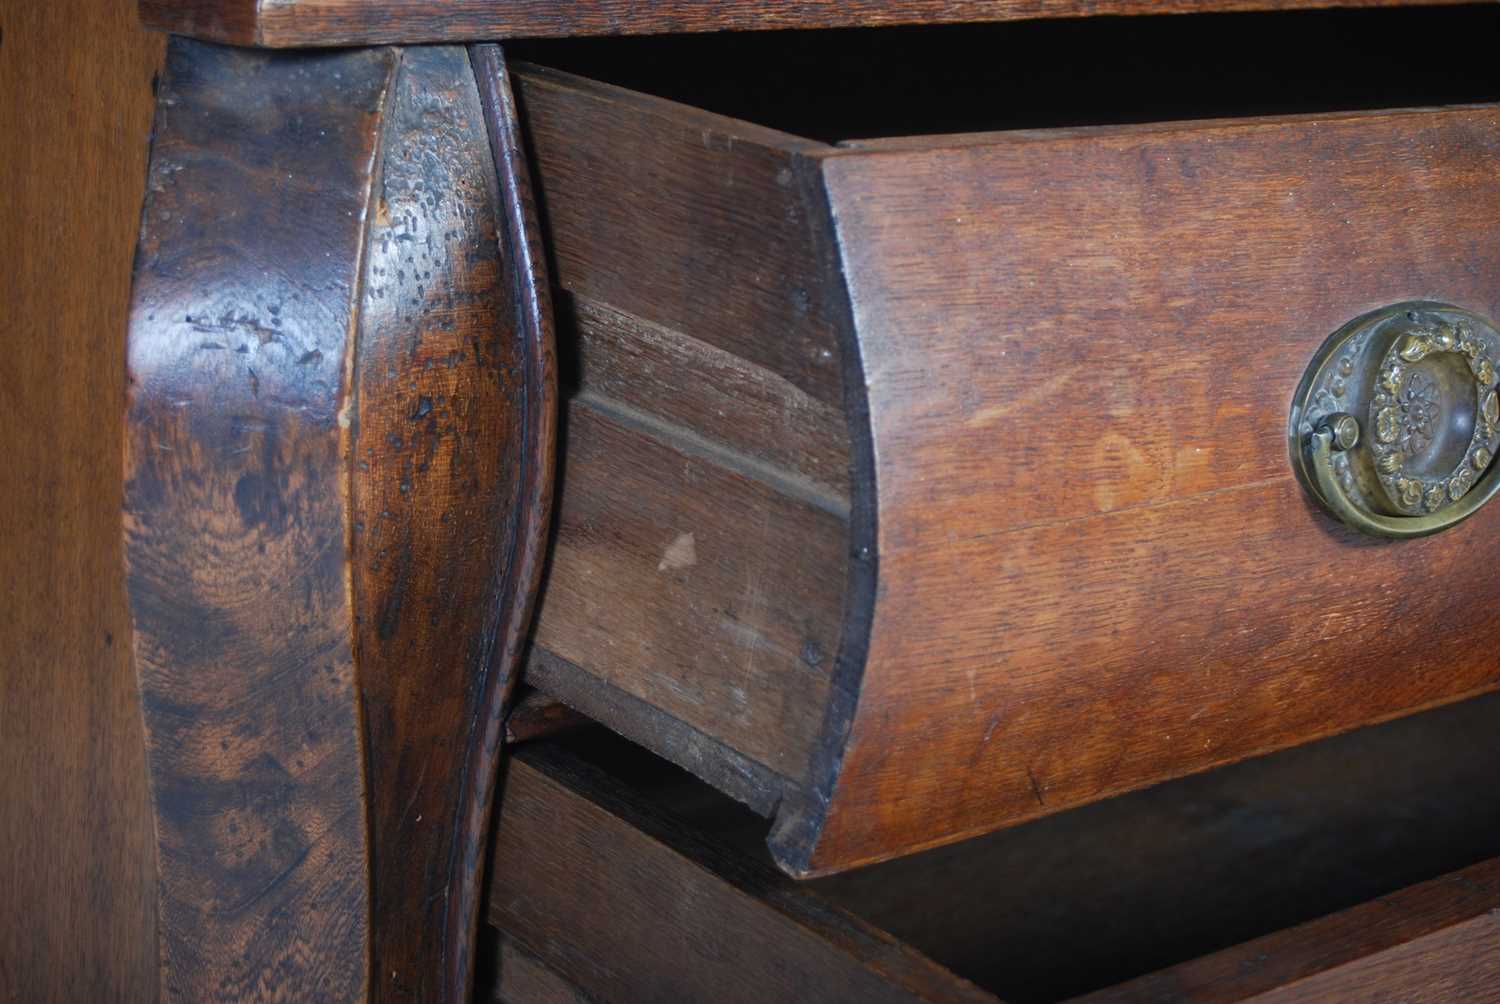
[1096, 568]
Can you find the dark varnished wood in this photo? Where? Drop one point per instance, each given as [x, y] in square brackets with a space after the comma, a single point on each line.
[337, 490]
[235, 519]
[1081, 405]
[77, 869]
[365, 22]
[451, 454]
[629, 904]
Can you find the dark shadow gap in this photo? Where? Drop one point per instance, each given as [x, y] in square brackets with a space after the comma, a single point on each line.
[871, 82]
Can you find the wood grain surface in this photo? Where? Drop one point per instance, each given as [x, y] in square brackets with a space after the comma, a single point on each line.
[1458, 963]
[1231, 882]
[672, 223]
[1068, 451]
[365, 22]
[1153, 879]
[1096, 570]
[695, 587]
[432, 430]
[533, 715]
[451, 439]
[637, 719]
[338, 466]
[235, 518]
[711, 396]
[528, 522]
[523, 979]
[78, 914]
[629, 904]
[694, 594]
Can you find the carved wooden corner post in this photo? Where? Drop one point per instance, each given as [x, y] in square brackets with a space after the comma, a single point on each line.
[338, 462]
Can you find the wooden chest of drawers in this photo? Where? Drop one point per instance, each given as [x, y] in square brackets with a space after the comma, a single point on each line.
[971, 448]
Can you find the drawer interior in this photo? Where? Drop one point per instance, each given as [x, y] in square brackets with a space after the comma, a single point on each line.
[1102, 895]
[850, 84]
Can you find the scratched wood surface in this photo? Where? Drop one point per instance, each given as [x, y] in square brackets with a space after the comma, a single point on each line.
[450, 439]
[338, 468]
[77, 917]
[1081, 405]
[365, 22]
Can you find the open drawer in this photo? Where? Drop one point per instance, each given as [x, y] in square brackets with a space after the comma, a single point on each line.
[917, 486]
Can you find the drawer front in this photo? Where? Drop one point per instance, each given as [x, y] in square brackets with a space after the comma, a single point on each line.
[1096, 569]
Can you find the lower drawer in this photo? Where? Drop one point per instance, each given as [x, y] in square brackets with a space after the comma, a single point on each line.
[922, 485]
[1362, 867]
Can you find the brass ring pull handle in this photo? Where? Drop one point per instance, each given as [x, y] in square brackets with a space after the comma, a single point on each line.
[1322, 445]
[1395, 426]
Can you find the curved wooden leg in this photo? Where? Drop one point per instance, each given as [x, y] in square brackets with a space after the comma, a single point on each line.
[338, 465]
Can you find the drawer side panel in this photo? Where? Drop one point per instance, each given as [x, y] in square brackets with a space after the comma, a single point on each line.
[694, 596]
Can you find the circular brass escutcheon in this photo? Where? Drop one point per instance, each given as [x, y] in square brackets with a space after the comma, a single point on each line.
[1396, 420]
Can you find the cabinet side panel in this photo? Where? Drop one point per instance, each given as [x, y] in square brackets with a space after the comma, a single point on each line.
[77, 920]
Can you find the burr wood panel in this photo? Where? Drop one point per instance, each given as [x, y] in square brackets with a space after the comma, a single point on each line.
[337, 463]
